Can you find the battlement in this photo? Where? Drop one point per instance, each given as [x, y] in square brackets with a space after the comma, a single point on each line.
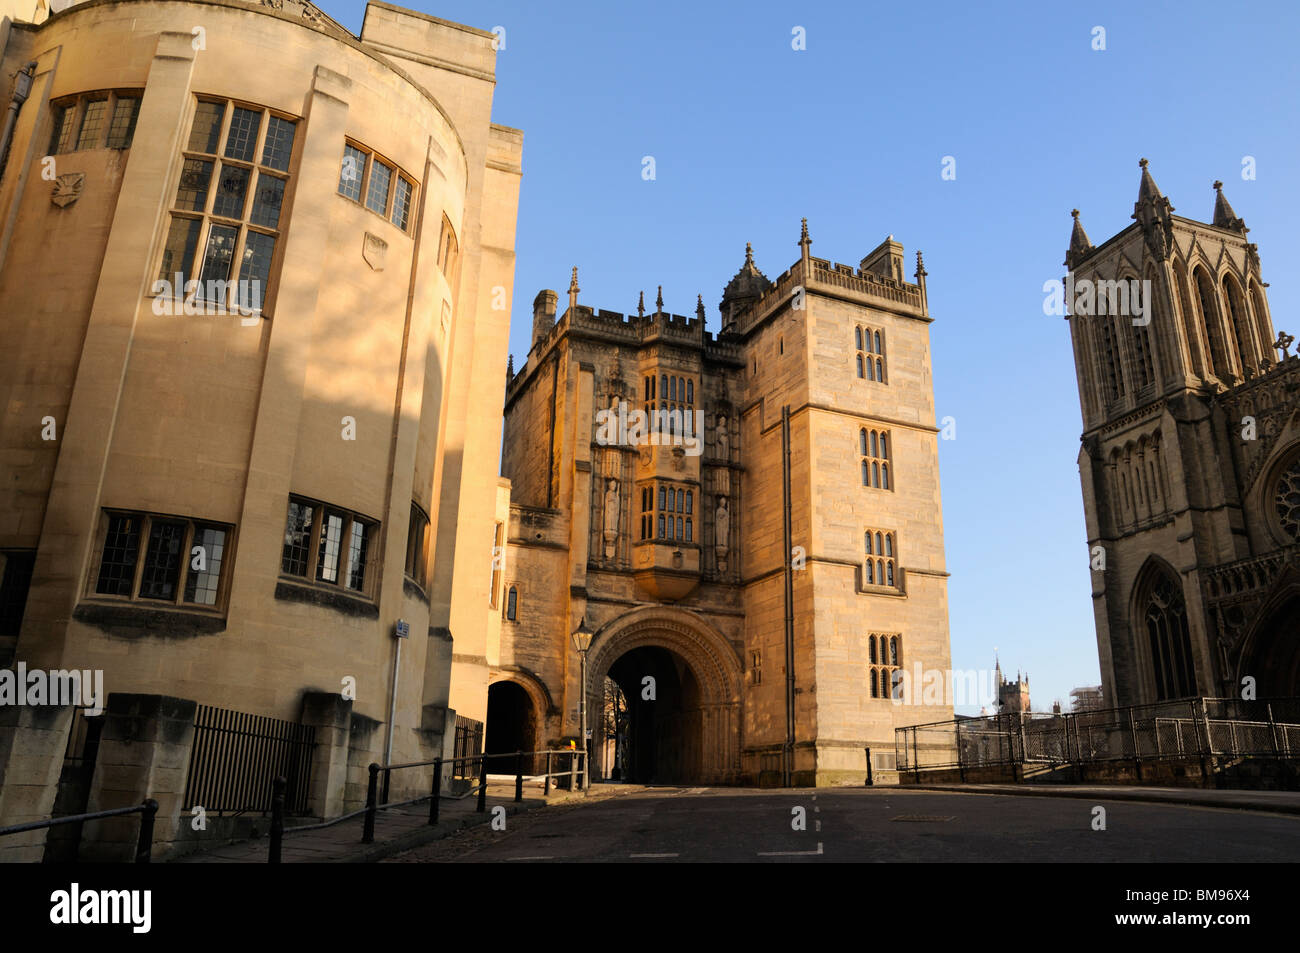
[634, 330]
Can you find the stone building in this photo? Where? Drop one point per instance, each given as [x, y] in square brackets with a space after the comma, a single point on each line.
[1013, 695]
[754, 566]
[1190, 459]
[224, 486]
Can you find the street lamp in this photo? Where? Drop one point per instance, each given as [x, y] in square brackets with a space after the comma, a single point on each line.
[582, 637]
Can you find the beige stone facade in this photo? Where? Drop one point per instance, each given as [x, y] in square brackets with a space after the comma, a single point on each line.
[238, 509]
[1190, 461]
[812, 407]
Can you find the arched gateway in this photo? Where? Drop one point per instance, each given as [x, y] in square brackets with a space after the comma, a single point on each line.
[689, 732]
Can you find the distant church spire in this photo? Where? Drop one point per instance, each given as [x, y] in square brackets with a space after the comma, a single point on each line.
[1079, 243]
[1224, 216]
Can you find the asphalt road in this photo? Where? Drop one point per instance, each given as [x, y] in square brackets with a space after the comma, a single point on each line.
[674, 825]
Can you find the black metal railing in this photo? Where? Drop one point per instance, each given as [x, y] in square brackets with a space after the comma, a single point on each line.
[1182, 729]
[236, 756]
[377, 789]
[147, 810]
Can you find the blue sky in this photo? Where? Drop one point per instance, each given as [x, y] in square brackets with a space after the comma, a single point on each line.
[750, 135]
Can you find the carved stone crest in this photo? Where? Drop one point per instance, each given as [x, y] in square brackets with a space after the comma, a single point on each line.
[68, 188]
[374, 251]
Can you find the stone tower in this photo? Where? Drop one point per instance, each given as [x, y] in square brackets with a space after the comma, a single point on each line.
[1190, 458]
[769, 552]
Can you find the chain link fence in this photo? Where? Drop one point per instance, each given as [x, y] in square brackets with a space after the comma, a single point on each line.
[1194, 727]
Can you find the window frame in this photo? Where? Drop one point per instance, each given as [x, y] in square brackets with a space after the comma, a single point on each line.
[320, 509]
[396, 172]
[883, 659]
[663, 519]
[419, 573]
[193, 527]
[869, 343]
[874, 449]
[257, 169]
[882, 569]
[78, 102]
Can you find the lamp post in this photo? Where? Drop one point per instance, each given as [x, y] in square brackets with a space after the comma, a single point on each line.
[582, 642]
[22, 90]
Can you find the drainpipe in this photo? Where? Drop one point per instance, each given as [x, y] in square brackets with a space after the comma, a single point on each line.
[788, 760]
[22, 89]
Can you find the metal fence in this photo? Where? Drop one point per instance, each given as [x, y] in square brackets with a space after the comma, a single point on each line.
[237, 755]
[1188, 728]
[468, 744]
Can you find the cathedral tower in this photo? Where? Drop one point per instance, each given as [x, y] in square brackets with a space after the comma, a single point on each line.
[1190, 458]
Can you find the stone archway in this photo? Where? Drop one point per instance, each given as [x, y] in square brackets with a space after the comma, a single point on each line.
[518, 706]
[696, 731]
[1270, 653]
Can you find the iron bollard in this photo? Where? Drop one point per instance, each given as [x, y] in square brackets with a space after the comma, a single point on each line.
[437, 791]
[144, 848]
[546, 785]
[277, 819]
[372, 792]
[482, 785]
[870, 782]
[519, 776]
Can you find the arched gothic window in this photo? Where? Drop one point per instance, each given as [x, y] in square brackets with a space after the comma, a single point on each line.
[1164, 618]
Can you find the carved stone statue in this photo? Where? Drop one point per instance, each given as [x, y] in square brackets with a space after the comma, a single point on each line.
[611, 516]
[724, 446]
[721, 533]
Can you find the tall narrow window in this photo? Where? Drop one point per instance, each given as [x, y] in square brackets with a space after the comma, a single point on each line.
[512, 604]
[417, 548]
[92, 124]
[881, 556]
[121, 547]
[1142, 351]
[884, 666]
[126, 110]
[1110, 362]
[1168, 638]
[871, 355]
[206, 554]
[162, 560]
[874, 447]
